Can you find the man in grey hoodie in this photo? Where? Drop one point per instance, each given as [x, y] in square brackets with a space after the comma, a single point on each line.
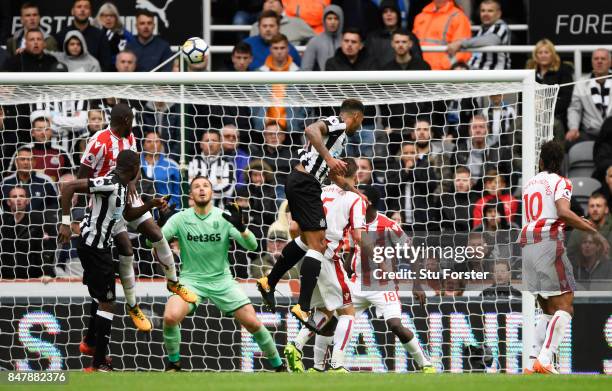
[75, 55]
[324, 46]
[296, 30]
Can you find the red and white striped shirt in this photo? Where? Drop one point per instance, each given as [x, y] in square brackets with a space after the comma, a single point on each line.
[539, 197]
[102, 149]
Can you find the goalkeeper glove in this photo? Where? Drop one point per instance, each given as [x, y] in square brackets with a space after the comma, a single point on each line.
[233, 214]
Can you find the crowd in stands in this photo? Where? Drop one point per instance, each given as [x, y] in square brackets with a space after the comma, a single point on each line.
[443, 166]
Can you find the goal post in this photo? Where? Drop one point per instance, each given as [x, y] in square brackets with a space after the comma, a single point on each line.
[533, 107]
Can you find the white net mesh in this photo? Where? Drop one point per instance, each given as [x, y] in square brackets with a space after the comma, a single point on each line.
[256, 132]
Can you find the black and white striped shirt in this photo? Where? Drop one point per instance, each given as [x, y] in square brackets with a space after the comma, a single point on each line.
[496, 34]
[334, 141]
[104, 211]
[220, 172]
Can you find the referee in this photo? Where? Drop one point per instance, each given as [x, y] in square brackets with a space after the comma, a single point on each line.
[94, 247]
[327, 139]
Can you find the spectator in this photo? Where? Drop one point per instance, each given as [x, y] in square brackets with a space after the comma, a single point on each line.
[32, 58]
[551, 70]
[284, 222]
[502, 285]
[242, 57]
[151, 50]
[165, 119]
[350, 56]
[276, 154]
[68, 263]
[592, 265]
[324, 45]
[590, 104]
[30, 20]
[248, 11]
[210, 164]
[477, 155]
[403, 59]
[233, 153]
[26, 249]
[279, 59]
[599, 214]
[9, 139]
[75, 55]
[602, 150]
[440, 23]
[97, 44]
[109, 21]
[262, 197]
[310, 11]
[295, 29]
[268, 23]
[479, 243]
[365, 177]
[380, 42]
[275, 243]
[496, 190]
[493, 31]
[502, 118]
[42, 191]
[606, 189]
[160, 175]
[456, 205]
[126, 61]
[95, 123]
[504, 234]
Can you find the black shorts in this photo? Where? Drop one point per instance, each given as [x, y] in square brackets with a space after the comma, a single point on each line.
[98, 272]
[303, 193]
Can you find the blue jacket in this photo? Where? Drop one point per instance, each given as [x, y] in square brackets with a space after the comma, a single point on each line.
[151, 54]
[261, 50]
[240, 159]
[166, 177]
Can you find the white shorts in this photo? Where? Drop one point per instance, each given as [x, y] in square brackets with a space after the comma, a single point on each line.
[546, 269]
[332, 291]
[133, 225]
[387, 304]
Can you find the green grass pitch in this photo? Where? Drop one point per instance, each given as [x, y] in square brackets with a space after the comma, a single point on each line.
[323, 381]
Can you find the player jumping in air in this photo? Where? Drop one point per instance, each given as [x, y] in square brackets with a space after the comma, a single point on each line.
[318, 161]
[547, 271]
[108, 206]
[99, 160]
[204, 234]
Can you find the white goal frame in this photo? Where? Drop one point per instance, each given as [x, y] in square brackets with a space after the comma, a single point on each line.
[525, 77]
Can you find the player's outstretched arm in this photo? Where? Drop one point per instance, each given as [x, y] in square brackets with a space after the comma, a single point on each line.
[314, 133]
[67, 190]
[130, 213]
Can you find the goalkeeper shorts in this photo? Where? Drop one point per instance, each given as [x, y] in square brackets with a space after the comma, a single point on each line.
[224, 293]
[546, 269]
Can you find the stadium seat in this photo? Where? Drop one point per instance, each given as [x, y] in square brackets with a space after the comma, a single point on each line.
[581, 160]
[582, 189]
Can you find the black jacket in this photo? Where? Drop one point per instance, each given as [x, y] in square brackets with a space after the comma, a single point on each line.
[379, 46]
[339, 62]
[602, 151]
[565, 74]
[26, 62]
[456, 211]
[415, 64]
[281, 159]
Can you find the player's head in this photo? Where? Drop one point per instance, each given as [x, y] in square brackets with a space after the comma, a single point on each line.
[200, 191]
[351, 111]
[128, 165]
[351, 170]
[372, 195]
[121, 119]
[551, 157]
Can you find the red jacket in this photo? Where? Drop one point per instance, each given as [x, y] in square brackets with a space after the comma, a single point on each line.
[511, 206]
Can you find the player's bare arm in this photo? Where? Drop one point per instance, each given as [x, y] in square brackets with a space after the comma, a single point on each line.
[67, 191]
[572, 219]
[314, 133]
[84, 172]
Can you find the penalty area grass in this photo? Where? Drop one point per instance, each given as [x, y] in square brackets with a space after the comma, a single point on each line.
[316, 381]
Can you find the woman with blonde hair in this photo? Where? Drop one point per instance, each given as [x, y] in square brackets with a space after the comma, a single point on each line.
[551, 70]
[108, 19]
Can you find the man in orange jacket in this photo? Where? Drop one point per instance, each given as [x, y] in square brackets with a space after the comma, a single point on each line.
[440, 23]
[311, 11]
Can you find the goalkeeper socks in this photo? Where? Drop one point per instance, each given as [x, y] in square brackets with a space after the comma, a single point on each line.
[321, 347]
[304, 335]
[554, 334]
[540, 335]
[414, 348]
[172, 342]
[342, 338]
[128, 280]
[293, 252]
[90, 337]
[165, 258]
[309, 274]
[268, 347]
[104, 321]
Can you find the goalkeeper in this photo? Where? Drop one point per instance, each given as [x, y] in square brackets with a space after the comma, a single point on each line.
[204, 233]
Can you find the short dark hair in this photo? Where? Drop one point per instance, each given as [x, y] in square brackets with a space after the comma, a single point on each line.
[35, 30]
[279, 38]
[119, 112]
[351, 167]
[598, 194]
[496, 2]
[552, 154]
[144, 12]
[371, 193]
[28, 4]
[242, 47]
[422, 118]
[18, 187]
[462, 170]
[127, 158]
[402, 31]
[352, 105]
[196, 178]
[211, 131]
[269, 14]
[76, 1]
[460, 64]
[353, 30]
